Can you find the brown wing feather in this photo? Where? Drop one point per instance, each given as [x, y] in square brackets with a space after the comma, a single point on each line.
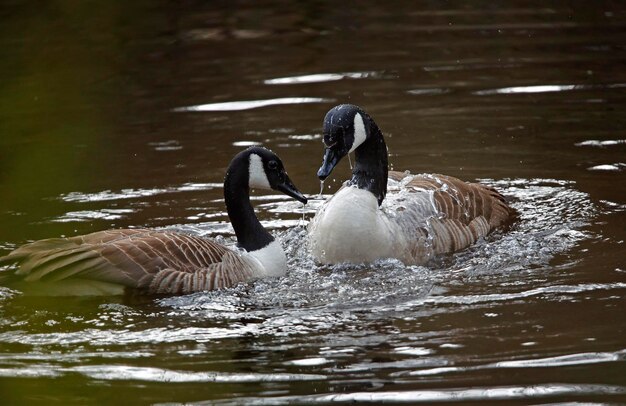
[150, 261]
[467, 211]
[228, 272]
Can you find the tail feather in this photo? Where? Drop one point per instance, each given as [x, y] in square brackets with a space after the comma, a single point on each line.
[47, 265]
[31, 256]
[57, 259]
[73, 266]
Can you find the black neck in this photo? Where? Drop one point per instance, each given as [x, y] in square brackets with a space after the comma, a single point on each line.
[250, 233]
[370, 169]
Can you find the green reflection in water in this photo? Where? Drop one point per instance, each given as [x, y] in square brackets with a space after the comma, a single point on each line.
[57, 103]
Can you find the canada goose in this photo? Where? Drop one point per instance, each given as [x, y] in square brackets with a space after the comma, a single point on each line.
[162, 262]
[423, 215]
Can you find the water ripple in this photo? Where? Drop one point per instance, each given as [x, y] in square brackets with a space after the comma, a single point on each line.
[564, 360]
[107, 195]
[445, 395]
[170, 145]
[320, 77]
[251, 104]
[87, 215]
[30, 372]
[72, 356]
[245, 143]
[530, 89]
[121, 372]
[546, 88]
[498, 297]
[616, 167]
[152, 374]
[548, 362]
[432, 91]
[341, 304]
[113, 337]
[600, 143]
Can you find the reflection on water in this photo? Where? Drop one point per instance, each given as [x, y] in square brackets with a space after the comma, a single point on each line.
[134, 193]
[609, 167]
[169, 145]
[127, 116]
[510, 393]
[320, 77]
[428, 91]
[86, 215]
[531, 89]
[547, 88]
[600, 143]
[252, 104]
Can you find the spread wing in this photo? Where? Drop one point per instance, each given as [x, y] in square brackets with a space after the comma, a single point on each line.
[465, 211]
[145, 260]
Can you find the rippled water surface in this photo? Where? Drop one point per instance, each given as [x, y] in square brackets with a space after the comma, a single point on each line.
[126, 115]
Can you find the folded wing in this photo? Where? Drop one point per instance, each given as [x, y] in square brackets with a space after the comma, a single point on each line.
[465, 211]
[144, 260]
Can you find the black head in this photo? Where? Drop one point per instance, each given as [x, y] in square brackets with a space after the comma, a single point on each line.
[266, 171]
[345, 129]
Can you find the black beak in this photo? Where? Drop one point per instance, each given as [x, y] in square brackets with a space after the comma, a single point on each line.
[331, 158]
[289, 189]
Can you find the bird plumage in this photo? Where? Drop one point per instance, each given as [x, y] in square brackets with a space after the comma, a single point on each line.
[390, 214]
[160, 262]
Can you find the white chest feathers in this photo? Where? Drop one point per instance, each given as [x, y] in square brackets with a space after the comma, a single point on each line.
[268, 261]
[350, 228]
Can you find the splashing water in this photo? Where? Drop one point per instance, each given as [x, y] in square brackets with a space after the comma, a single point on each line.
[551, 218]
[321, 319]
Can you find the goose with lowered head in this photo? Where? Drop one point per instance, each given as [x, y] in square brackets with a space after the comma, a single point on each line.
[162, 262]
[388, 214]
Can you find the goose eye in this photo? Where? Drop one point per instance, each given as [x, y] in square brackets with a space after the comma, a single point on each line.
[272, 165]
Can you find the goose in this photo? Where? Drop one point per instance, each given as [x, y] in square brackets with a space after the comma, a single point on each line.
[144, 261]
[388, 214]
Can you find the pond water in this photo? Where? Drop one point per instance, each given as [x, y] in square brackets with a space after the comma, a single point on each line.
[126, 115]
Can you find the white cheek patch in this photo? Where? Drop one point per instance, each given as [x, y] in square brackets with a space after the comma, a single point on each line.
[256, 174]
[359, 132]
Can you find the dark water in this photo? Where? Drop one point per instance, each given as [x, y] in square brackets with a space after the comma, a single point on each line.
[119, 115]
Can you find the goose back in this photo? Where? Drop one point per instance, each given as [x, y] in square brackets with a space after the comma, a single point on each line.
[462, 213]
